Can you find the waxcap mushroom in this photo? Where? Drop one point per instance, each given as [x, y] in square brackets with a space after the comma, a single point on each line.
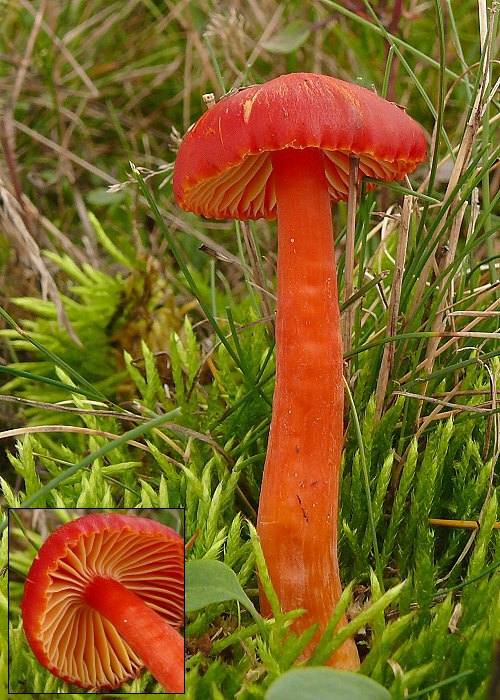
[223, 168]
[75, 641]
[284, 149]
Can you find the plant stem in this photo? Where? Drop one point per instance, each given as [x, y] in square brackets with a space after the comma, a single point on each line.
[159, 646]
[297, 522]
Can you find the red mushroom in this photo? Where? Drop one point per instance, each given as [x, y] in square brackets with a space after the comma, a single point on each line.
[103, 598]
[282, 150]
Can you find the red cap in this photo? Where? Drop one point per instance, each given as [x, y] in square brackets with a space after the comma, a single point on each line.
[223, 169]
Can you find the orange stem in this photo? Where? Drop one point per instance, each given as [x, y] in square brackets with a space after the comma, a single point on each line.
[159, 646]
[298, 509]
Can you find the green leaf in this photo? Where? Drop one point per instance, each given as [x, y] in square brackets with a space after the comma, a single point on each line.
[210, 581]
[319, 683]
[290, 39]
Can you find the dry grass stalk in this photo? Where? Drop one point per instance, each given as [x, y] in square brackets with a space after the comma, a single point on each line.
[183, 16]
[469, 334]
[466, 524]
[387, 364]
[424, 423]
[476, 314]
[467, 330]
[459, 407]
[192, 434]
[229, 30]
[269, 28]
[472, 131]
[439, 321]
[186, 95]
[65, 153]
[23, 67]
[79, 70]
[11, 222]
[30, 430]
[72, 250]
[8, 141]
[63, 408]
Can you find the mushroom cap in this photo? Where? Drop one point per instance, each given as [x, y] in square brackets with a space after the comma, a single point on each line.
[223, 168]
[71, 639]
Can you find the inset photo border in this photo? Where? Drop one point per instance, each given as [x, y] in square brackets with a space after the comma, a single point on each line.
[96, 600]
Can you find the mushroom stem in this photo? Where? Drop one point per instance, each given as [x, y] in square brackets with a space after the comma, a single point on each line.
[297, 521]
[159, 645]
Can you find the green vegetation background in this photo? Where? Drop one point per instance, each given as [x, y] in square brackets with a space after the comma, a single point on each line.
[117, 315]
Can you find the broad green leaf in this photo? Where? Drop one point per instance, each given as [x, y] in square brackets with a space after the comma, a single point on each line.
[290, 39]
[209, 581]
[325, 683]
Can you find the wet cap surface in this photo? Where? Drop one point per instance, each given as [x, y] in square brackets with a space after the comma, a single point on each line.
[224, 170]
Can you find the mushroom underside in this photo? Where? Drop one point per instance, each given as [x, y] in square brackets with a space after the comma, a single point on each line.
[79, 644]
[247, 190]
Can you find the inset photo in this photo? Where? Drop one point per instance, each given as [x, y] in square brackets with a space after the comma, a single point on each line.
[96, 600]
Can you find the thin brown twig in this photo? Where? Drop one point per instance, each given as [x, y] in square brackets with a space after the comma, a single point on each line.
[465, 524]
[459, 524]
